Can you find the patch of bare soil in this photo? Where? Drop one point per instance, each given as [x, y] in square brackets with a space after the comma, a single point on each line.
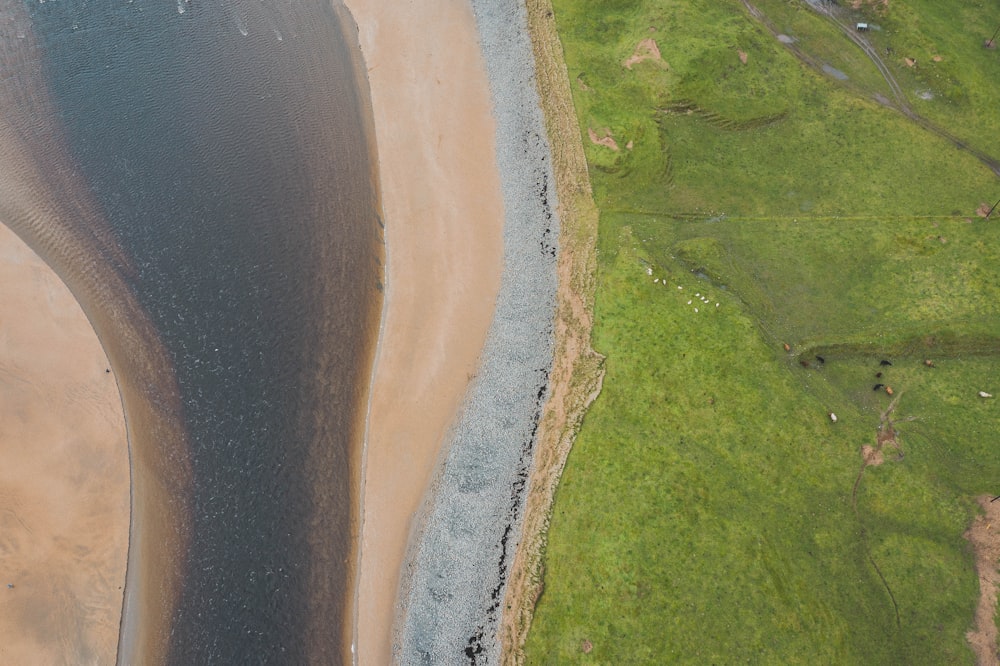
[743, 56]
[983, 210]
[645, 50]
[872, 456]
[603, 139]
[985, 540]
[885, 437]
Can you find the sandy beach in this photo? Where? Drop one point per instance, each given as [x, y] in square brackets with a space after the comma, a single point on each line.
[64, 481]
[444, 216]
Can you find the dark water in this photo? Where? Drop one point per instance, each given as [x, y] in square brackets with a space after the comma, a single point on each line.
[225, 150]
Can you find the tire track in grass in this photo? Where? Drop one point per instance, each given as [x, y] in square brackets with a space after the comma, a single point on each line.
[873, 457]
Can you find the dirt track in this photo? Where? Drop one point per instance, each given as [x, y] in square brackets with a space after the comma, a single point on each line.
[898, 103]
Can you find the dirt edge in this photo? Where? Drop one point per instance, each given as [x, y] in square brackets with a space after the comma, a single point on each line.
[577, 370]
[985, 541]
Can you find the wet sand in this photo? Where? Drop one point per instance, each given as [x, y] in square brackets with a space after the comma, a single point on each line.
[444, 218]
[64, 480]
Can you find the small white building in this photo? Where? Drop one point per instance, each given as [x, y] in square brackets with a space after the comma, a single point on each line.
[861, 27]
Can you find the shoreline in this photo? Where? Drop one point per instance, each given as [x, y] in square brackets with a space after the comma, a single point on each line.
[443, 217]
[350, 33]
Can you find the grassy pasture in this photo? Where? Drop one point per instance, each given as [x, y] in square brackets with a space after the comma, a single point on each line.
[946, 41]
[708, 512]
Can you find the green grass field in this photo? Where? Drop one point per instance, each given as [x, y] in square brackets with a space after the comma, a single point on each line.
[708, 511]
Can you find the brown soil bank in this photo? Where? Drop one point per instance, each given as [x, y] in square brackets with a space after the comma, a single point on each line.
[984, 535]
[577, 370]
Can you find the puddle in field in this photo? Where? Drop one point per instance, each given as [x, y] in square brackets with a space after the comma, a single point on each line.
[835, 73]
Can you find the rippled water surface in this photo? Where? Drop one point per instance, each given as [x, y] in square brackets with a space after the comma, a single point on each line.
[201, 175]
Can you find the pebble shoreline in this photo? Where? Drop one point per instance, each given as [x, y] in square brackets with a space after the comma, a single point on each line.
[456, 572]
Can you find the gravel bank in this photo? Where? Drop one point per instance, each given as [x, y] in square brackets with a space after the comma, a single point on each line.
[457, 570]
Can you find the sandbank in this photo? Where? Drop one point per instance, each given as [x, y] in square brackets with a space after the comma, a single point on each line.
[443, 221]
[64, 481]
